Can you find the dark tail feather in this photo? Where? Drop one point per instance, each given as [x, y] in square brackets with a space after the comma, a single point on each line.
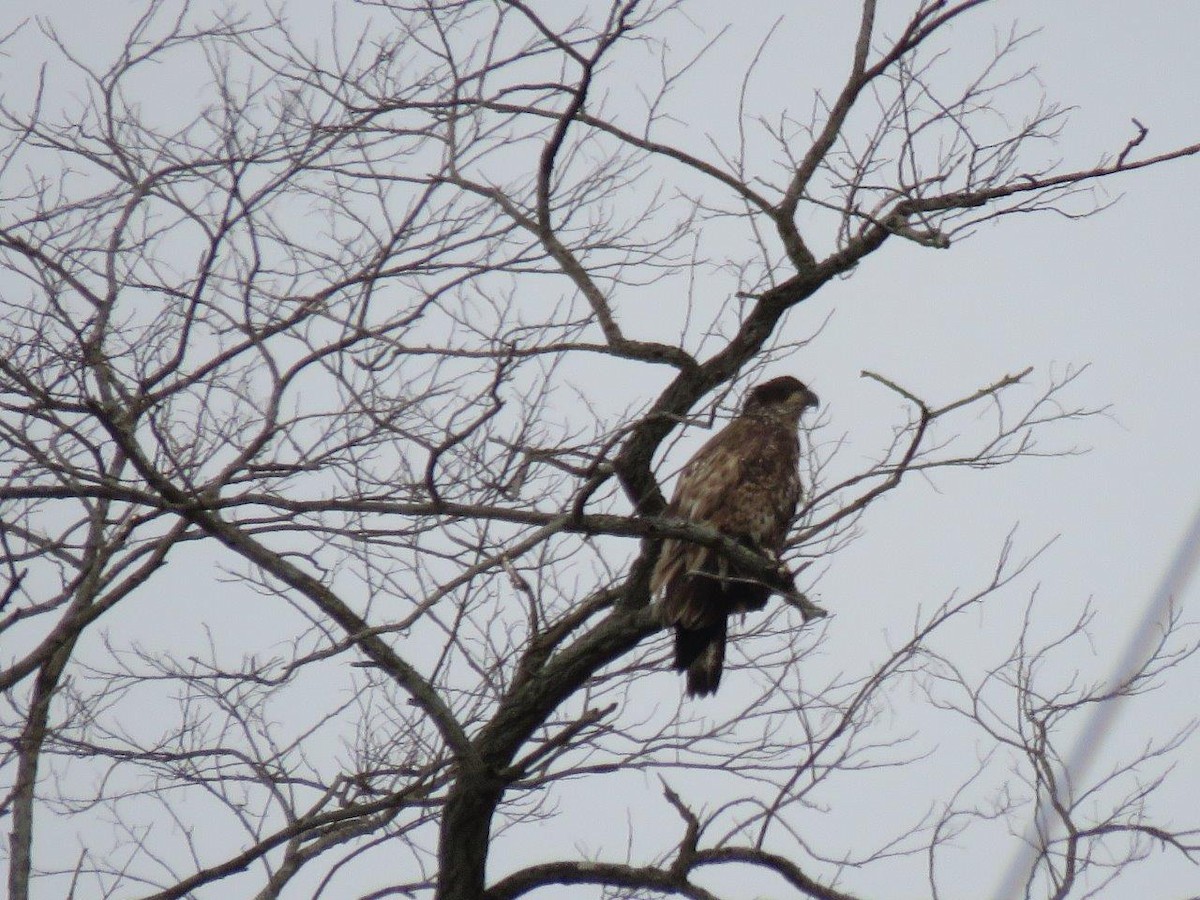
[701, 651]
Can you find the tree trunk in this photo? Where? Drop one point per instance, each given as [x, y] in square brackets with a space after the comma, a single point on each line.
[463, 846]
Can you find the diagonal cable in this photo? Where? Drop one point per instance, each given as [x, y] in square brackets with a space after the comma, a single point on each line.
[1141, 645]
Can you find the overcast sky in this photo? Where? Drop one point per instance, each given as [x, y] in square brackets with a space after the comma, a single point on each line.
[1116, 293]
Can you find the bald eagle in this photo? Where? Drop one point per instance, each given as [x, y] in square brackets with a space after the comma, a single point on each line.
[745, 482]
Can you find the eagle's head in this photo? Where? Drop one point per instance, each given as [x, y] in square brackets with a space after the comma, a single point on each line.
[784, 397]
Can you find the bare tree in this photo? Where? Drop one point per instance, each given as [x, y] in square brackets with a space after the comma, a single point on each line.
[333, 354]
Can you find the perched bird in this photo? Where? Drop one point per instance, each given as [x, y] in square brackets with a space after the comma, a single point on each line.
[745, 482]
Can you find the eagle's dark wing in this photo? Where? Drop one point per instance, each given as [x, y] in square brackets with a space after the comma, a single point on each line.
[745, 483]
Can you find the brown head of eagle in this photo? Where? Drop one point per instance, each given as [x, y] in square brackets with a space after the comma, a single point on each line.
[745, 483]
